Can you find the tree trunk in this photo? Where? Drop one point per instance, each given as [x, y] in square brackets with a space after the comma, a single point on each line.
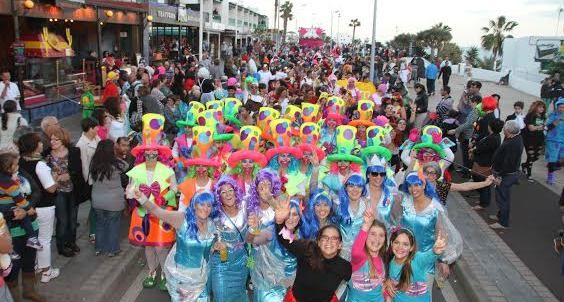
[285, 28]
[495, 61]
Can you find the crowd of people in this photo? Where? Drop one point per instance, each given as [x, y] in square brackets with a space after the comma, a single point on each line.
[273, 176]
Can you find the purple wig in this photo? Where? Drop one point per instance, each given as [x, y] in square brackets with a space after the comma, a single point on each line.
[264, 174]
[226, 180]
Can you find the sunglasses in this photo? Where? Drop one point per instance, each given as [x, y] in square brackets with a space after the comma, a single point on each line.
[376, 174]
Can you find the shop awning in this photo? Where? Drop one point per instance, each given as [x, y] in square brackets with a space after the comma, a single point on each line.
[47, 45]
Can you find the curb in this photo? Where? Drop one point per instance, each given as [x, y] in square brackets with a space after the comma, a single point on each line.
[468, 282]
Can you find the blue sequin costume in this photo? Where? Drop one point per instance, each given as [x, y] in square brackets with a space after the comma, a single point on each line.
[349, 230]
[362, 287]
[186, 268]
[418, 290]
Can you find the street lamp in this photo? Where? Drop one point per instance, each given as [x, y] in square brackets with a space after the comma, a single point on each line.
[373, 43]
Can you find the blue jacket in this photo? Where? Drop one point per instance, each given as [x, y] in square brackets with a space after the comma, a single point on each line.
[432, 72]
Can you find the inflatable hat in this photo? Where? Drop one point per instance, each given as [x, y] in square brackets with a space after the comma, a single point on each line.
[309, 136]
[250, 81]
[202, 148]
[152, 132]
[230, 111]
[365, 110]
[214, 105]
[213, 118]
[346, 145]
[265, 116]
[194, 108]
[249, 137]
[374, 137]
[431, 138]
[336, 104]
[310, 112]
[293, 113]
[281, 135]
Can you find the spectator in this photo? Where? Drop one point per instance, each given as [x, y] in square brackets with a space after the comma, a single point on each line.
[421, 103]
[47, 122]
[178, 83]
[156, 90]
[533, 136]
[10, 120]
[446, 71]
[431, 75]
[116, 125]
[150, 103]
[505, 166]
[518, 114]
[216, 70]
[9, 90]
[43, 198]
[109, 181]
[464, 133]
[64, 161]
[445, 104]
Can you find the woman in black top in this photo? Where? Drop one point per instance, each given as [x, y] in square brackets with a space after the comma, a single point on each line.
[533, 135]
[320, 268]
[421, 105]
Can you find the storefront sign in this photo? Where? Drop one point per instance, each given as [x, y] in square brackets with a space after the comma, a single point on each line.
[174, 15]
[166, 15]
[19, 53]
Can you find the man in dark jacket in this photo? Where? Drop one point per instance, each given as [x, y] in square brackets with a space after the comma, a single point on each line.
[505, 167]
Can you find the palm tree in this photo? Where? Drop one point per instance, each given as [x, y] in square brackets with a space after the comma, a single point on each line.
[354, 23]
[286, 14]
[495, 34]
[473, 55]
[435, 37]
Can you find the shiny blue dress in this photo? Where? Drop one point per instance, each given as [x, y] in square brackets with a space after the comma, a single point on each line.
[349, 231]
[228, 279]
[419, 290]
[274, 271]
[362, 287]
[383, 210]
[186, 267]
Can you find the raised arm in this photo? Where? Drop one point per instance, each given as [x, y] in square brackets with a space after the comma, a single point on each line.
[469, 186]
[174, 218]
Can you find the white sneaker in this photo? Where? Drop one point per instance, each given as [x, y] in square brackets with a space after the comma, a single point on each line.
[52, 273]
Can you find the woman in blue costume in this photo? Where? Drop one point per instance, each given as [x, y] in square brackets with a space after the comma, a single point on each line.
[351, 209]
[229, 276]
[275, 268]
[427, 222]
[408, 267]
[186, 267]
[319, 213]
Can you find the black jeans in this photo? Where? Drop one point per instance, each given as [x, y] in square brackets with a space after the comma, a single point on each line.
[26, 263]
[503, 197]
[446, 79]
[66, 213]
[430, 86]
[464, 147]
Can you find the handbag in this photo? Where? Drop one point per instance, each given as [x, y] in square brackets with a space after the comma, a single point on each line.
[482, 170]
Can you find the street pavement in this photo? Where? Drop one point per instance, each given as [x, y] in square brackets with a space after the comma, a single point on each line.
[535, 220]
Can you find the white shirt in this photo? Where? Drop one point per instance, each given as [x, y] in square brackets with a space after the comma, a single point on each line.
[87, 148]
[13, 93]
[265, 77]
[44, 174]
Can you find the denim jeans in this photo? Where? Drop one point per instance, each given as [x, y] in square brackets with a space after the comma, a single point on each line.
[430, 85]
[66, 212]
[503, 197]
[485, 196]
[107, 230]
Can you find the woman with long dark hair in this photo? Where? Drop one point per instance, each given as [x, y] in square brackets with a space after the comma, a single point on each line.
[533, 135]
[421, 103]
[108, 184]
[10, 120]
[320, 269]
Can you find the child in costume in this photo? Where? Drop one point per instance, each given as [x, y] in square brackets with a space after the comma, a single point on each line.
[368, 261]
[157, 183]
[187, 265]
[87, 101]
[201, 166]
[245, 163]
[228, 265]
[285, 159]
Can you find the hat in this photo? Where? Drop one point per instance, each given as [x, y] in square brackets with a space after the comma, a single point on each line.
[230, 111]
[201, 148]
[560, 101]
[214, 105]
[250, 81]
[374, 137]
[346, 145]
[249, 137]
[194, 108]
[431, 139]
[265, 116]
[365, 109]
[152, 129]
[213, 118]
[309, 136]
[231, 82]
[281, 131]
[310, 112]
[335, 104]
[489, 103]
[112, 76]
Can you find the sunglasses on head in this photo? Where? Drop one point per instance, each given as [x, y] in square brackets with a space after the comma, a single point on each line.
[375, 174]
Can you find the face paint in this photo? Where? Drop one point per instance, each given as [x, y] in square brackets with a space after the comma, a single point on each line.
[151, 156]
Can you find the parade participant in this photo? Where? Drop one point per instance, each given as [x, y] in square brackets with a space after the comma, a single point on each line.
[344, 162]
[230, 110]
[533, 136]
[352, 205]
[187, 265]
[368, 258]
[213, 119]
[408, 267]
[381, 185]
[201, 166]
[351, 87]
[246, 162]
[265, 116]
[328, 135]
[263, 199]
[319, 213]
[554, 153]
[228, 266]
[158, 184]
[312, 155]
[285, 159]
[362, 120]
[310, 113]
[419, 210]
[320, 269]
[429, 146]
[111, 89]
[182, 148]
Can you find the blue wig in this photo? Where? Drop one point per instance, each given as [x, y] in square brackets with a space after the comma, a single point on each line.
[204, 197]
[294, 204]
[413, 179]
[387, 185]
[294, 165]
[310, 224]
[353, 180]
[226, 180]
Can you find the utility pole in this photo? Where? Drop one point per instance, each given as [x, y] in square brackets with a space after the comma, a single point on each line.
[558, 31]
[338, 26]
[201, 31]
[17, 44]
[373, 45]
